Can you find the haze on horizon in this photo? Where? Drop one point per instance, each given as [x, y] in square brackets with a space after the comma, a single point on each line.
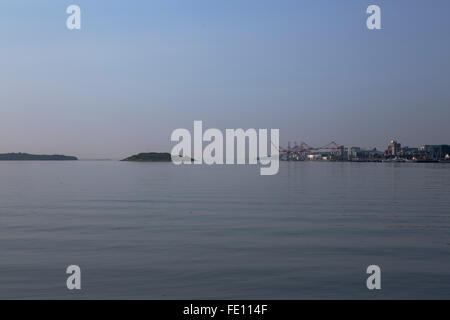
[138, 70]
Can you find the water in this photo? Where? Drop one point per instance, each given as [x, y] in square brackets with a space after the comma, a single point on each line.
[158, 231]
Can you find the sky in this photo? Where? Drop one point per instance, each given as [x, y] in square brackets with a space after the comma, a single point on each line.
[137, 70]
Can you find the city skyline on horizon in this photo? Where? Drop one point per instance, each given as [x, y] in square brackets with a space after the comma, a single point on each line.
[292, 144]
[137, 71]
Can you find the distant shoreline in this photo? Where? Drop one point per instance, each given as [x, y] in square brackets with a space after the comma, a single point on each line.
[167, 157]
[150, 157]
[35, 157]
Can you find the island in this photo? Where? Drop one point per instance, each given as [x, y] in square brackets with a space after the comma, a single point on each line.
[34, 157]
[150, 157]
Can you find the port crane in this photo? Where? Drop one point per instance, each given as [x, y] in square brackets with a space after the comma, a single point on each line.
[299, 151]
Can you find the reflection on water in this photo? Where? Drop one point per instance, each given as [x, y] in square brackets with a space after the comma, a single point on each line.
[158, 231]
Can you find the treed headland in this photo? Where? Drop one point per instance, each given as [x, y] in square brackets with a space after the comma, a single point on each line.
[150, 157]
[35, 157]
[156, 157]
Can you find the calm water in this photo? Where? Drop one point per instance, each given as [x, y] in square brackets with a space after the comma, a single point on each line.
[157, 231]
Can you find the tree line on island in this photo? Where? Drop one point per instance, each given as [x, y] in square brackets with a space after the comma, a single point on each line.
[42, 157]
[141, 157]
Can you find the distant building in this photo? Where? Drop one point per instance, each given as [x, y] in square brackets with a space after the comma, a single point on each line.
[393, 148]
[410, 153]
[438, 152]
[314, 156]
[356, 153]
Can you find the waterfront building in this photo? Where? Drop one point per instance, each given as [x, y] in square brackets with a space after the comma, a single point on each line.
[438, 152]
[410, 153]
[393, 148]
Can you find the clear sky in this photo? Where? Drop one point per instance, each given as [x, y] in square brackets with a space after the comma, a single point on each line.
[137, 70]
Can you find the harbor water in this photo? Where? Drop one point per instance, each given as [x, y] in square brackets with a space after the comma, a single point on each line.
[159, 231]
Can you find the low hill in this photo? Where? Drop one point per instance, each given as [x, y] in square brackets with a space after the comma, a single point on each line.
[150, 157]
[40, 157]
